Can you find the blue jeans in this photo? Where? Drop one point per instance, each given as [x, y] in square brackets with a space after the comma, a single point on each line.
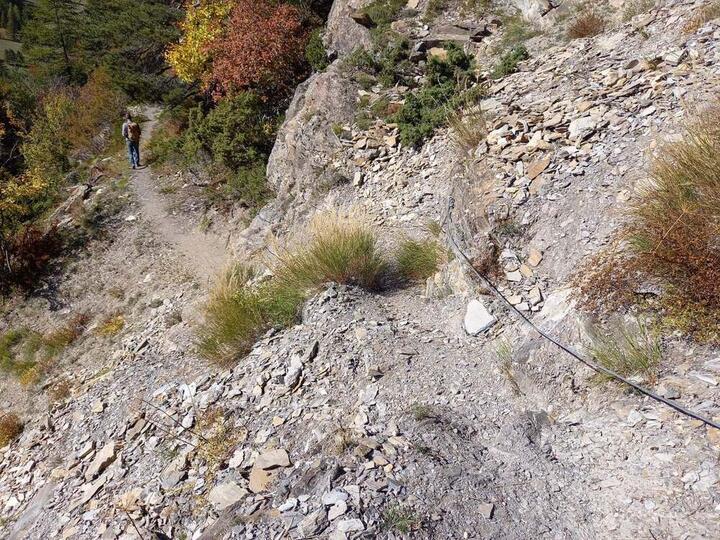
[134, 152]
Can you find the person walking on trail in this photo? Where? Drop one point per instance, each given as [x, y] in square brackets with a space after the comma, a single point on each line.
[131, 133]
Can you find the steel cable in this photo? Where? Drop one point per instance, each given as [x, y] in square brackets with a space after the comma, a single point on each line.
[589, 363]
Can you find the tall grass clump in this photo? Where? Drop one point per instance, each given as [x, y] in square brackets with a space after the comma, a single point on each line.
[672, 238]
[675, 226]
[342, 251]
[418, 259]
[241, 309]
[628, 350]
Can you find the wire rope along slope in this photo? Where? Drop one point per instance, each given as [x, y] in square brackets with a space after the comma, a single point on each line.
[555, 341]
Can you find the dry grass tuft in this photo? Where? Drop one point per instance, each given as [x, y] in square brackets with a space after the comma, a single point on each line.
[674, 228]
[469, 128]
[341, 250]
[587, 23]
[30, 355]
[706, 13]
[239, 311]
[10, 428]
[628, 350]
[401, 519]
[112, 325]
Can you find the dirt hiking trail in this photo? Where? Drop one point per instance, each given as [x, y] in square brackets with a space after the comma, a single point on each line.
[206, 253]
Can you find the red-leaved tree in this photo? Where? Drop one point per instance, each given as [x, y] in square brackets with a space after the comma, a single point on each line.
[262, 49]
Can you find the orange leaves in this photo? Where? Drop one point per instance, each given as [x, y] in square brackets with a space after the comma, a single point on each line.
[262, 49]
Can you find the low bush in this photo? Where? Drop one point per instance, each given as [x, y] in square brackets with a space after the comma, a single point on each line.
[587, 23]
[29, 355]
[445, 90]
[636, 7]
[230, 142]
[509, 62]
[515, 31]
[706, 13]
[628, 350]
[418, 259]
[10, 428]
[26, 255]
[401, 519]
[434, 9]
[112, 325]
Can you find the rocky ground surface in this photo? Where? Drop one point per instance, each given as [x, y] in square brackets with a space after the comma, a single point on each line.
[426, 412]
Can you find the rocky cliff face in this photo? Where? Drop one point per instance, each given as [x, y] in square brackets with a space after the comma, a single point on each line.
[426, 412]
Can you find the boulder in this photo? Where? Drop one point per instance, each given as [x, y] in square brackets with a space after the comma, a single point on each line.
[343, 32]
[477, 318]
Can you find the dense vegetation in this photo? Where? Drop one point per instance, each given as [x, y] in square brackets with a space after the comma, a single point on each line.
[243, 59]
[225, 70]
[81, 63]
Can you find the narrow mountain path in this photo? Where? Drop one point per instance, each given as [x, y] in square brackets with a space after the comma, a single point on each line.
[205, 252]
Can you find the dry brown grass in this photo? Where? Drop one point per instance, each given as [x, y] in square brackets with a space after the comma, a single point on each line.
[672, 239]
[10, 428]
[587, 23]
[469, 128]
[674, 229]
[706, 13]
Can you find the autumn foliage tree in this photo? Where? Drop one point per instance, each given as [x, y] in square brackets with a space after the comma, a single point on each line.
[262, 49]
[203, 24]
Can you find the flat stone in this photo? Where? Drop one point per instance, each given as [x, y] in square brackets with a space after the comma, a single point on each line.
[225, 495]
[273, 459]
[477, 318]
[537, 167]
[582, 128]
[102, 459]
[486, 510]
[260, 479]
[314, 523]
[534, 257]
[350, 525]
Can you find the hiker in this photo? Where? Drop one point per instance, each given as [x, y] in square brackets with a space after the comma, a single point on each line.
[131, 132]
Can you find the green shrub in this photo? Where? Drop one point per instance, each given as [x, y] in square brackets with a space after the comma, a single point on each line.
[516, 31]
[28, 354]
[393, 64]
[383, 12]
[434, 9]
[418, 259]
[509, 62]
[239, 131]
[400, 518]
[423, 112]
[427, 108]
[249, 184]
[17, 351]
[315, 52]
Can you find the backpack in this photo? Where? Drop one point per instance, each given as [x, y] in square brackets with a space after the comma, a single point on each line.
[133, 130]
